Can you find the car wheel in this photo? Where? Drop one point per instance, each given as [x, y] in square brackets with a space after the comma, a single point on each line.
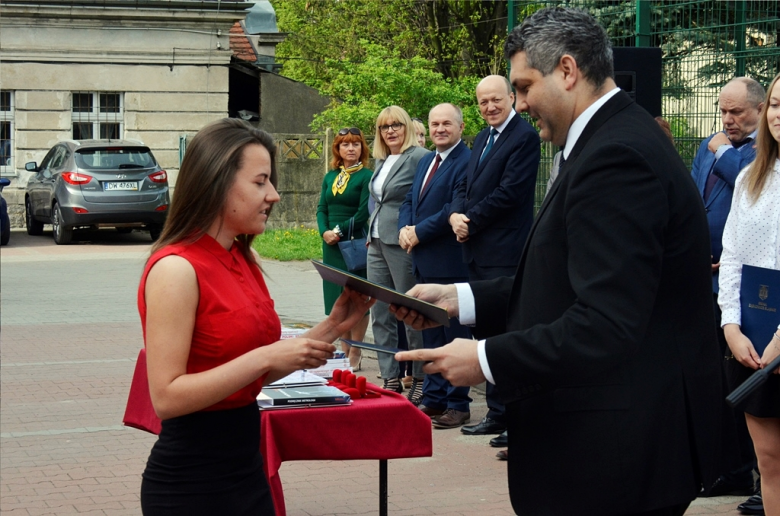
[124, 231]
[34, 227]
[154, 231]
[62, 235]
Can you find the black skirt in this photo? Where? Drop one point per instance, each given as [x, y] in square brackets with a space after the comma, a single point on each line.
[207, 463]
[765, 402]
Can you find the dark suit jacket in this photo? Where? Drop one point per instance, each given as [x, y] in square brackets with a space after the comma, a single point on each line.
[498, 195]
[718, 203]
[604, 346]
[438, 255]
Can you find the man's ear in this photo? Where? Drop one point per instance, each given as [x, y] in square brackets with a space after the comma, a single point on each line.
[569, 70]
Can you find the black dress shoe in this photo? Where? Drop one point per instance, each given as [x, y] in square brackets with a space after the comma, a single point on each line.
[753, 505]
[485, 427]
[502, 441]
[729, 486]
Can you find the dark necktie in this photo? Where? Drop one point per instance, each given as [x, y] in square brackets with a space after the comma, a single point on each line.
[489, 145]
[433, 171]
[712, 179]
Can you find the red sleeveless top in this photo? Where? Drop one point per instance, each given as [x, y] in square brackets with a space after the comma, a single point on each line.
[235, 312]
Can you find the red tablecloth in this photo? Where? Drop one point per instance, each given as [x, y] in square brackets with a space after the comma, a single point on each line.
[388, 427]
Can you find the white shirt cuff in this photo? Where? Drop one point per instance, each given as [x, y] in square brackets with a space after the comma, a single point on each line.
[483, 362]
[722, 150]
[467, 314]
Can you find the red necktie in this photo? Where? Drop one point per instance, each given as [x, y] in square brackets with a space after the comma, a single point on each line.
[433, 171]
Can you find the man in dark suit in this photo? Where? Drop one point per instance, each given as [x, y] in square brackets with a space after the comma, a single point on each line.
[715, 168]
[492, 209]
[436, 253]
[602, 346]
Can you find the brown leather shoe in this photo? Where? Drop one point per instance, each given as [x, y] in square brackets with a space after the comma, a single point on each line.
[503, 455]
[451, 419]
[430, 411]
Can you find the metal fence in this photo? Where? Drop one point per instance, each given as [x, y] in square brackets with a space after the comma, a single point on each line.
[704, 45]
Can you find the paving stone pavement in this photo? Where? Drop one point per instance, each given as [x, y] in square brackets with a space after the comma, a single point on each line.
[68, 341]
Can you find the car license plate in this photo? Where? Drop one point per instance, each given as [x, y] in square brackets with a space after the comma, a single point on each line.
[120, 185]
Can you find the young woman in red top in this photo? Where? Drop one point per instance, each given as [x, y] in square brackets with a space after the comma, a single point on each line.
[211, 332]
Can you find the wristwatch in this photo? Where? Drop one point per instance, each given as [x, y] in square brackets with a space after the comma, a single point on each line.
[337, 230]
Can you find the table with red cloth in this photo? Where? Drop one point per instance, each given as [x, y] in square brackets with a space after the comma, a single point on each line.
[382, 428]
[387, 427]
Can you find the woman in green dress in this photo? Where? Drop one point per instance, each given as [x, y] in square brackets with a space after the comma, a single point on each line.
[344, 200]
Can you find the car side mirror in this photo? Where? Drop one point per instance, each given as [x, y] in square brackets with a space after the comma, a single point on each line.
[31, 166]
[4, 182]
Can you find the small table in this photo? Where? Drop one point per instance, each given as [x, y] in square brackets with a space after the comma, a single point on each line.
[388, 427]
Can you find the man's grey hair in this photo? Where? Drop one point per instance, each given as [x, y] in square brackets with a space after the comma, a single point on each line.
[550, 33]
[458, 112]
[755, 92]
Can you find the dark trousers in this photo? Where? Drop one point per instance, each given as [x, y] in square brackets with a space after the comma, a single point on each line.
[674, 510]
[738, 456]
[496, 409]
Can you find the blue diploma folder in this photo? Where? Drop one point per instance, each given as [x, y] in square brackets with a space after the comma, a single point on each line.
[759, 297]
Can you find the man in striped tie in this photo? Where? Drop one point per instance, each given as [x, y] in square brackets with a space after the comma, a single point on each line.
[436, 255]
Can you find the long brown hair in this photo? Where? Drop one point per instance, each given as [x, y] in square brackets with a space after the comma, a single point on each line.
[766, 152]
[336, 161]
[205, 177]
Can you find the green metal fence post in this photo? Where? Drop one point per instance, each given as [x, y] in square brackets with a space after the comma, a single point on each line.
[642, 23]
[739, 36]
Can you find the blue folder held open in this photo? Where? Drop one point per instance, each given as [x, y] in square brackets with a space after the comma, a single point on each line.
[759, 297]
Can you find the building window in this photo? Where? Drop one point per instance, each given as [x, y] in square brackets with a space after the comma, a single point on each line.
[6, 133]
[97, 115]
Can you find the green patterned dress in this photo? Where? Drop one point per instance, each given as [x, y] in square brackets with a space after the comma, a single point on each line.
[336, 210]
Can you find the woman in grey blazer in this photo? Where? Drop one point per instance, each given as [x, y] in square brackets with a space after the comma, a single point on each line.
[396, 153]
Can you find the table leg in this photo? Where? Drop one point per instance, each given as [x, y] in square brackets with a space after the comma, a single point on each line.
[383, 487]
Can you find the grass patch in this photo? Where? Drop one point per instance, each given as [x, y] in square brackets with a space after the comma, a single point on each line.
[289, 244]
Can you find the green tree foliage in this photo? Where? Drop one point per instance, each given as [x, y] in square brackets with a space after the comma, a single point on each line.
[369, 54]
[362, 89]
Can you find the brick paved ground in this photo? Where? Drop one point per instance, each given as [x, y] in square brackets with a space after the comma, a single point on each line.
[69, 337]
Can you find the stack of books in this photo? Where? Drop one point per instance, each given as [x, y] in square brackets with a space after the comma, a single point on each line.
[301, 397]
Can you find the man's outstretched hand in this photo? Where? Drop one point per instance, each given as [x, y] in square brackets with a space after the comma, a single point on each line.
[458, 361]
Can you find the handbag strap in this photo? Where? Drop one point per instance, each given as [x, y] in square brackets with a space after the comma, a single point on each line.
[351, 233]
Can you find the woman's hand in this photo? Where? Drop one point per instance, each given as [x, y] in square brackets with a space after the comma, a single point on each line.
[349, 308]
[771, 352]
[741, 347]
[330, 237]
[286, 356]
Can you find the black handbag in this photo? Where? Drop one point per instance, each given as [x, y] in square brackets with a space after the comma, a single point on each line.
[354, 250]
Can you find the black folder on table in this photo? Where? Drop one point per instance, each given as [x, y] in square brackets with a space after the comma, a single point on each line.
[384, 294]
[759, 298]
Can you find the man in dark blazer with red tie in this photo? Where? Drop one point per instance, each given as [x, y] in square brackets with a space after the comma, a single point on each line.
[492, 209]
[436, 255]
[603, 344]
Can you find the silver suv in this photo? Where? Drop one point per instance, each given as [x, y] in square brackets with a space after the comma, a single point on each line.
[96, 183]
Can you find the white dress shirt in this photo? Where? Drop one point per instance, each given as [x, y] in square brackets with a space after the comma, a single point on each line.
[751, 236]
